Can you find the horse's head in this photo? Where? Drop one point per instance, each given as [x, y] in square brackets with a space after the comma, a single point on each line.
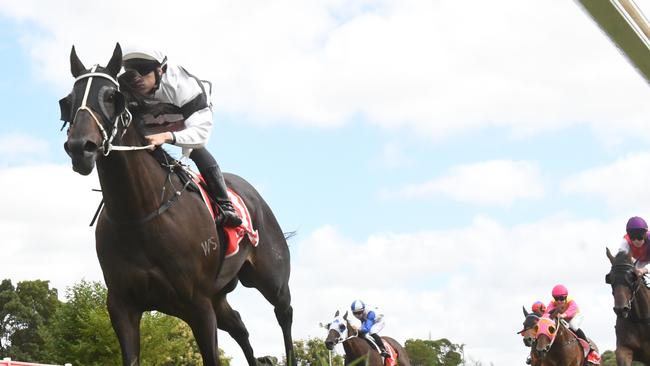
[528, 332]
[336, 330]
[624, 281]
[92, 109]
[546, 330]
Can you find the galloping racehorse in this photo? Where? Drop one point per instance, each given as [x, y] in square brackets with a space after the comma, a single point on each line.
[632, 308]
[357, 348]
[556, 345]
[157, 243]
[529, 333]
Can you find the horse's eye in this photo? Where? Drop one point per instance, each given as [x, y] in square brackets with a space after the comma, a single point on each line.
[551, 329]
[536, 328]
[341, 327]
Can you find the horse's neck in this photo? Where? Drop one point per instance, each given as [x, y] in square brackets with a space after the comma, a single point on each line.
[131, 181]
[355, 347]
[563, 338]
[641, 303]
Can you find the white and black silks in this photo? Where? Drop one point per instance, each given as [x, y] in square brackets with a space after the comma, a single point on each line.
[193, 99]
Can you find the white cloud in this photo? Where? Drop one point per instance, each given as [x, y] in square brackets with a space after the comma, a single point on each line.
[22, 147]
[438, 282]
[430, 67]
[44, 221]
[496, 182]
[622, 184]
[467, 285]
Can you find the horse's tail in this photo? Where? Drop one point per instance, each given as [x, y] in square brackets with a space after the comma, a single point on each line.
[290, 234]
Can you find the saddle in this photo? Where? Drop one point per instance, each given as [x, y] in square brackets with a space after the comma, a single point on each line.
[388, 361]
[194, 182]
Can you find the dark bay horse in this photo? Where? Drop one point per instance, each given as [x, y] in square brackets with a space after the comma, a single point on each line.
[632, 308]
[157, 244]
[556, 345]
[358, 349]
[529, 334]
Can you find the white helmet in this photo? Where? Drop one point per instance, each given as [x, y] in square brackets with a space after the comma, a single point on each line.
[144, 53]
[358, 306]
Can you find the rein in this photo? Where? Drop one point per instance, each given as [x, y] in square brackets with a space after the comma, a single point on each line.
[125, 117]
[163, 207]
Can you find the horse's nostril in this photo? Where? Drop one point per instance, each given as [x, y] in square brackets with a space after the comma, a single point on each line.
[90, 146]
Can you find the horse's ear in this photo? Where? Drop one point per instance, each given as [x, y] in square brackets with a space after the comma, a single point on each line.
[337, 313]
[345, 316]
[609, 255]
[524, 309]
[115, 64]
[76, 67]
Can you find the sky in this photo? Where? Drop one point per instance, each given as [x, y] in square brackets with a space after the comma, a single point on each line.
[445, 161]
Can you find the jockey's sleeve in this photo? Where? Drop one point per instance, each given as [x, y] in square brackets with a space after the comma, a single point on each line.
[370, 321]
[572, 309]
[549, 309]
[187, 92]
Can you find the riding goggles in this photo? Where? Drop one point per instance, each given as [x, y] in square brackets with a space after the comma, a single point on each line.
[637, 234]
[142, 67]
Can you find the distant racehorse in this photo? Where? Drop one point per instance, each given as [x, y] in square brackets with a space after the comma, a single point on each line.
[632, 308]
[156, 242]
[556, 345]
[356, 348]
[529, 334]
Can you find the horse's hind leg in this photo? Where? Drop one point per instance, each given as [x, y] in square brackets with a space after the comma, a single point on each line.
[275, 288]
[230, 321]
[126, 323]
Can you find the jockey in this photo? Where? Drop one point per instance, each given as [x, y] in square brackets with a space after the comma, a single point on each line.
[372, 321]
[538, 308]
[636, 241]
[155, 79]
[564, 307]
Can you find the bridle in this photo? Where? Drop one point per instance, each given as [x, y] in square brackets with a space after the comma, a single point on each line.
[625, 268]
[559, 323]
[123, 118]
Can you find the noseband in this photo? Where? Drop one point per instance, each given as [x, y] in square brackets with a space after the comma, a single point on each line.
[123, 118]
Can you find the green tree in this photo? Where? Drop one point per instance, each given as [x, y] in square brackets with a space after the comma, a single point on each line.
[81, 333]
[312, 352]
[23, 310]
[608, 358]
[440, 352]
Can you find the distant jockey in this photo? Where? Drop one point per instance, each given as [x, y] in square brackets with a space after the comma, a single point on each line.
[636, 241]
[564, 307]
[372, 322]
[538, 308]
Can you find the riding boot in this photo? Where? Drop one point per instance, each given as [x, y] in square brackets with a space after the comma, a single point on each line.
[217, 190]
[581, 334]
[380, 344]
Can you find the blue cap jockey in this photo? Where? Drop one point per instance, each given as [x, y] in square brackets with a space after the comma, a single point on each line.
[372, 321]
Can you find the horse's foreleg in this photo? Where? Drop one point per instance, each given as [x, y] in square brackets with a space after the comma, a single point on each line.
[230, 321]
[624, 356]
[203, 322]
[126, 323]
